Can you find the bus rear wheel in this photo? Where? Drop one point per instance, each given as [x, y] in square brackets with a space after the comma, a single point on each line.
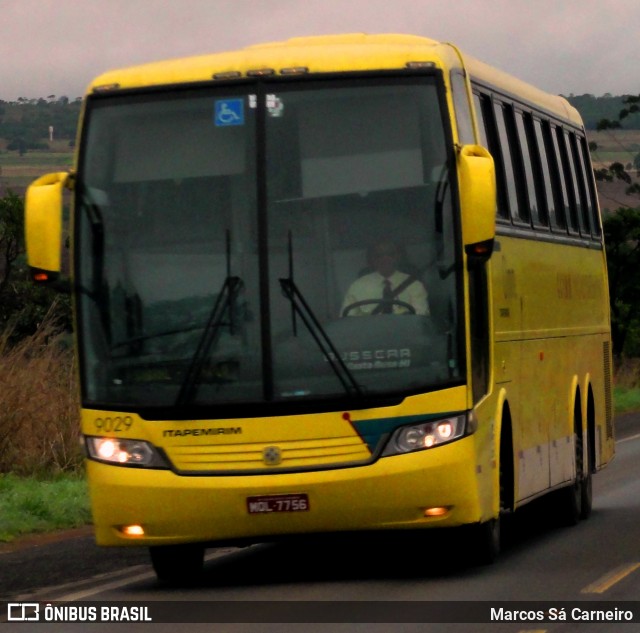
[586, 484]
[570, 498]
[587, 496]
[177, 564]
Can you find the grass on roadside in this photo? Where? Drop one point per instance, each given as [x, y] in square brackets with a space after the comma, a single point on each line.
[626, 399]
[42, 483]
[626, 392]
[39, 414]
[29, 505]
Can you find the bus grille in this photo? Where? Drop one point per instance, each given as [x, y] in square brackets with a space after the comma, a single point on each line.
[289, 455]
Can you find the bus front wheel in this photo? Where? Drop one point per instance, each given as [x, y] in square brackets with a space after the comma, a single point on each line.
[486, 542]
[486, 537]
[177, 564]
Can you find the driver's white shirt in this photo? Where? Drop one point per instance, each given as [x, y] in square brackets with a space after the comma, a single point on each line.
[371, 286]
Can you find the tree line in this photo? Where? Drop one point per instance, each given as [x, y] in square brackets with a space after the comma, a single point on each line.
[25, 124]
[600, 112]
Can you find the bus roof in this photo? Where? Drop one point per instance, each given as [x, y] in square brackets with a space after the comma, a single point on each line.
[329, 54]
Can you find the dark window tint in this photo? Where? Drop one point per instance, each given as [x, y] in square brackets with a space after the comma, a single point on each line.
[528, 169]
[585, 201]
[563, 209]
[489, 132]
[482, 131]
[577, 217]
[545, 180]
[585, 163]
[507, 158]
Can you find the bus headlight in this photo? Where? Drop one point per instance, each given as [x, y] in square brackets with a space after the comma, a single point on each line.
[419, 437]
[124, 452]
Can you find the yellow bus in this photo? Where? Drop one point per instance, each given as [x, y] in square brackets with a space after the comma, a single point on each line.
[330, 285]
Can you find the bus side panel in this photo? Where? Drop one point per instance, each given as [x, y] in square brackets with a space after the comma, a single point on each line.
[551, 333]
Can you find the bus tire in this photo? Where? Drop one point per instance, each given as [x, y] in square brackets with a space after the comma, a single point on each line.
[587, 482]
[570, 501]
[177, 564]
[487, 541]
[570, 498]
[586, 486]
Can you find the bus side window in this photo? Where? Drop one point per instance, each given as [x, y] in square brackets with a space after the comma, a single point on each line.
[585, 202]
[507, 160]
[569, 180]
[536, 200]
[482, 129]
[544, 179]
[560, 187]
[580, 187]
[487, 121]
[587, 171]
[578, 201]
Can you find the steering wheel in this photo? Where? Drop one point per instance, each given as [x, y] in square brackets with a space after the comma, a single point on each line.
[380, 302]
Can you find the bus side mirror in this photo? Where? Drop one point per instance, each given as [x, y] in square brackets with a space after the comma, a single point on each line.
[477, 176]
[43, 226]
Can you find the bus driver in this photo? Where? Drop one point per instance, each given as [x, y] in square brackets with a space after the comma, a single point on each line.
[386, 290]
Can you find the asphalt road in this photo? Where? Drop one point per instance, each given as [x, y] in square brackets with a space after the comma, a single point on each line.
[596, 560]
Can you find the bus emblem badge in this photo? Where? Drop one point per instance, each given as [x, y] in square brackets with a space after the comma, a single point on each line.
[272, 456]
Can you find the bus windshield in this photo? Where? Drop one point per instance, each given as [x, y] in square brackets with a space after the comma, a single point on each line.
[267, 242]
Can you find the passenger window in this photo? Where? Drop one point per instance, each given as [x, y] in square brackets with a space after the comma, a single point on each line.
[591, 191]
[586, 185]
[532, 192]
[563, 208]
[585, 202]
[545, 180]
[578, 217]
[569, 181]
[510, 178]
[487, 114]
[482, 131]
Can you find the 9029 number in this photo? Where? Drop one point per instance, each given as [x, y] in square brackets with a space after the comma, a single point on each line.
[113, 425]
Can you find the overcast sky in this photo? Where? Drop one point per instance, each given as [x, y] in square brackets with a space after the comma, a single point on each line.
[564, 46]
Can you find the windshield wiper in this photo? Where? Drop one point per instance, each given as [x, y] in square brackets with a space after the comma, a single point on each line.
[300, 306]
[224, 304]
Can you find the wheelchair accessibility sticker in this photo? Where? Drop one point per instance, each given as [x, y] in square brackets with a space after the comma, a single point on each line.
[229, 112]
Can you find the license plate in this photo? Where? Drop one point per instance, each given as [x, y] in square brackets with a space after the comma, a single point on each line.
[278, 503]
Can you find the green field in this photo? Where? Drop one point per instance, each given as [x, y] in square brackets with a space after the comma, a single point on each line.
[16, 172]
[30, 505]
[621, 146]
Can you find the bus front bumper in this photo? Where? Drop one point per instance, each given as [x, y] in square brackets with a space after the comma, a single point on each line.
[398, 492]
